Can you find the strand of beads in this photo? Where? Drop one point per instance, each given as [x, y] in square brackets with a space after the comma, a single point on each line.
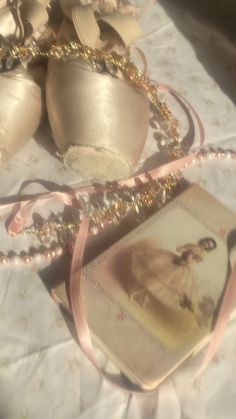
[216, 153]
[212, 153]
[27, 258]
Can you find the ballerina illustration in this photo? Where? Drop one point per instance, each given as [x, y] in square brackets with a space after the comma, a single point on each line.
[167, 276]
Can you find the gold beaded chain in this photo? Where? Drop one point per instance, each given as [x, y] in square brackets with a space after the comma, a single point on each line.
[110, 209]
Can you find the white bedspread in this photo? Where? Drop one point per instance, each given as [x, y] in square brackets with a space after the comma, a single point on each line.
[43, 373]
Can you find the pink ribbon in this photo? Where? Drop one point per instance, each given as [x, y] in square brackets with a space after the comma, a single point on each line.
[19, 220]
[16, 224]
[81, 324]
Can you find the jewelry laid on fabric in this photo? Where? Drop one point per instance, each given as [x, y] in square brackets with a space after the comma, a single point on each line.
[114, 207]
[109, 210]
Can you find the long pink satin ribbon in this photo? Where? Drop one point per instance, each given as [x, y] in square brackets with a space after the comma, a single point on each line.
[19, 220]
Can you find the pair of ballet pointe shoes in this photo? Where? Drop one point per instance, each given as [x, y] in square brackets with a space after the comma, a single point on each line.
[99, 121]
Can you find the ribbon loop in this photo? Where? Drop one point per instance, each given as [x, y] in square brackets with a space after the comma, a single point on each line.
[125, 26]
[86, 25]
[116, 27]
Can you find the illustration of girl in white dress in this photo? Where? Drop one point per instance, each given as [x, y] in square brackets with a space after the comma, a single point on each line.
[167, 276]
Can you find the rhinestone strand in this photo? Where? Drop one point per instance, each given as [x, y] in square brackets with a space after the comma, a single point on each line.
[213, 153]
[111, 211]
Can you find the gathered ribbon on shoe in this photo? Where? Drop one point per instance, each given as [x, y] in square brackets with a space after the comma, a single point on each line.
[90, 25]
[69, 198]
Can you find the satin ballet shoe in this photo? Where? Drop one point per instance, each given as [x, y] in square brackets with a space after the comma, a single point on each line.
[99, 121]
[20, 95]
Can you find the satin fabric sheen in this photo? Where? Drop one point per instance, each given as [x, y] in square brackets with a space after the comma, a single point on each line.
[7, 23]
[104, 116]
[99, 123]
[20, 99]
[20, 109]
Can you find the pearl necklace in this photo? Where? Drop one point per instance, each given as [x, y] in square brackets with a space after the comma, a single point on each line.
[47, 255]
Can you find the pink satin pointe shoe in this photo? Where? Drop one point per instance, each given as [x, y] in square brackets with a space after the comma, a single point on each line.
[98, 119]
[20, 95]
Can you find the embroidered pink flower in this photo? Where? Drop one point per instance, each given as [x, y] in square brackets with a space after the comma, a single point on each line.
[223, 233]
[121, 316]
